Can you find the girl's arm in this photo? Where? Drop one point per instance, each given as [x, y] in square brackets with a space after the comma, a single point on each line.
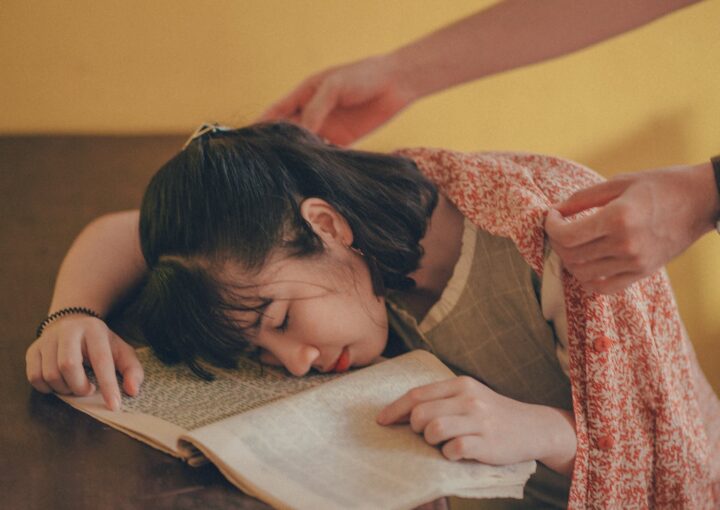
[103, 265]
[473, 422]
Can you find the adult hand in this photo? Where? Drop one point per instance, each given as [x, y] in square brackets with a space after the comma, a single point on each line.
[476, 423]
[645, 219]
[54, 362]
[344, 103]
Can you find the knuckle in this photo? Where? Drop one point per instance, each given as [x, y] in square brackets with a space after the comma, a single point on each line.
[633, 250]
[53, 377]
[417, 418]
[626, 247]
[35, 378]
[415, 395]
[69, 365]
[466, 383]
[435, 431]
[623, 218]
[461, 446]
[475, 405]
[95, 331]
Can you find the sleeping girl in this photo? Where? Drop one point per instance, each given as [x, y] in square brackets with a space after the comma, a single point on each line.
[267, 240]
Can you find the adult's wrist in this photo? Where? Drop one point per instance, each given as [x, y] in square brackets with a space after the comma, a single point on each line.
[404, 73]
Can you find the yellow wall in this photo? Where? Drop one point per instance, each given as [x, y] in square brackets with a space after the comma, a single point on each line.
[646, 99]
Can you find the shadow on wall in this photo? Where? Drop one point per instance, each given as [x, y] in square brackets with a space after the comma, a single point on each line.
[662, 141]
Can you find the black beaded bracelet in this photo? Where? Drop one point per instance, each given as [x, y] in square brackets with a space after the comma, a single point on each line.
[63, 312]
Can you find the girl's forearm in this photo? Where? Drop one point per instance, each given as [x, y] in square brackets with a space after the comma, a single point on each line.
[558, 446]
[102, 265]
[516, 33]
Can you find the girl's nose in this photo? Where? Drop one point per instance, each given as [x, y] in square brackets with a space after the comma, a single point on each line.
[298, 360]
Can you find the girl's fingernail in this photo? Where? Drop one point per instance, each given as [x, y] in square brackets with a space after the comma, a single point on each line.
[115, 403]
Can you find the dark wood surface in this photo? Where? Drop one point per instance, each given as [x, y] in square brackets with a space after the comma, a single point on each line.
[51, 456]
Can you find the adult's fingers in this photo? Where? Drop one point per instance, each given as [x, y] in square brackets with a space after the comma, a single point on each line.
[33, 370]
[50, 371]
[569, 234]
[128, 365]
[70, 363]
[597, 249]
[594, 196]
[322, 102]
[101, 360]
[291, 103]
[603, 269]
[614, 284]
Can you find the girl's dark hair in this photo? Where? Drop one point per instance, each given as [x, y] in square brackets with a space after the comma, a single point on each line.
[235, 195]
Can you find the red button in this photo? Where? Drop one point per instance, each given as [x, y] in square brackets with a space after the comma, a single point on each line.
[606, 442]
[602, 343]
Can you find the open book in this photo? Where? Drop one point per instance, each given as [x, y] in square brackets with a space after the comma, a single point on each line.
[309, 442]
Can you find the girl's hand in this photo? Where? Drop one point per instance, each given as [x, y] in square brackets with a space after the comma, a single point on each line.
[54, 362]
[476, 423]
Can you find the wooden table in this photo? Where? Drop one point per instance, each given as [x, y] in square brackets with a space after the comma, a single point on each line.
[51, 456]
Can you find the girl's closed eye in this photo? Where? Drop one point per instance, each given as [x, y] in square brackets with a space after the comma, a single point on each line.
[284, 324]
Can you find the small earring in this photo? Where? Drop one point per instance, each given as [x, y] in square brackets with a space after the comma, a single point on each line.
[356, 250]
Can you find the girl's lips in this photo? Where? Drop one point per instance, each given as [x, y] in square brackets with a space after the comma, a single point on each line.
[343, 362]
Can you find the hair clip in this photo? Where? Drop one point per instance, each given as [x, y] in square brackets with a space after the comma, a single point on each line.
[203, 129]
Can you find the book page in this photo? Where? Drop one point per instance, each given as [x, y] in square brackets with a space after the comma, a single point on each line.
[323, 447]
[175, 394]
[173, 400]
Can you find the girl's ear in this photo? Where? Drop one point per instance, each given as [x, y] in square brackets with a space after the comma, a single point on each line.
[326, 221]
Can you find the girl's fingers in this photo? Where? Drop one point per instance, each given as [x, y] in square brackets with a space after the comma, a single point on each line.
[464, 447]
[101, 360]
[399, 411]
[128, 365]
[50, 370]
[33, 370]
[70, 363]
[426, 413]
[445, 428]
